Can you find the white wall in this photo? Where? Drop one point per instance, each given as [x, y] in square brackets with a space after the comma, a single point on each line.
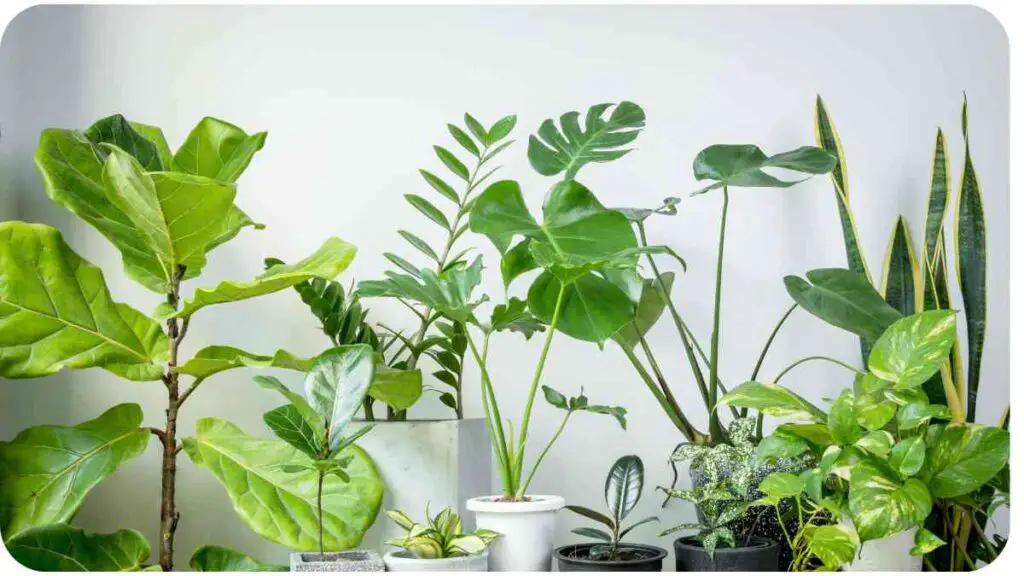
[353, 98]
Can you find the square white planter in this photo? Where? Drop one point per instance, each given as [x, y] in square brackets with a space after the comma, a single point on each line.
[347, 561]
[443, 462]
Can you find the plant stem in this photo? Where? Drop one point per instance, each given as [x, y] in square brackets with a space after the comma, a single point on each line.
[768, 344]
[713, 427]
[536, 463]
[320, 509]
[810, 359]
[956, 407]
[168, 513]
[493, 416]
[984, 539]
[676, 416]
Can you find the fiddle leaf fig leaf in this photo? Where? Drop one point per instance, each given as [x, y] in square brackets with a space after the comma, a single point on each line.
[220, 559]
[287, 514]
[914, 348]
[336, 385]
[743, 165]
[331, 259]
[450, 293]
[963, 457]
[215, 359]
[46, 471]
[844, 299]
[116, 130]
[883, 504]
[773, 400]
[62, 548]
[552, 152]
[87, 329]
[623, 486]
[218, 150]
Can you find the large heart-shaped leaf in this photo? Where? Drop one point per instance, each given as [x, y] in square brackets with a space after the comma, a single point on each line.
[773, 400]
[220, 559]
[336, 385]
[280, 505]
[914, 348]
[399, 389]
[46, 471]
[56, 312]
[883, 504]
[61, 548]
[872, 408]
[593, 309]
[214, 359]
[450, 293]
[178, 215]
[576, 226]
[648, 310]
[552, 152]
[844, 299]
[842, 419]
[908, 456]
[623, 486]
[743, 165]
[219, 150]
[327, 262]
[834, 544]
[963, 457]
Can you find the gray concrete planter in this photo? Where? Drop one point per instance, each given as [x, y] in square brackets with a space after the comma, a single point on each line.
[347, 561]
[443, 462]
[404, 561]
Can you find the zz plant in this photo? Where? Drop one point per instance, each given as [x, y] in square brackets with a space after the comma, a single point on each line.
[440, 537]
[165, 213]
[622, 490]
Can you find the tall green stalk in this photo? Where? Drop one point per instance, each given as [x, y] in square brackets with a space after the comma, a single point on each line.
[713, 426]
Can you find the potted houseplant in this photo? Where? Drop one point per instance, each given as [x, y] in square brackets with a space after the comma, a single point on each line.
[890, 454]
[622, 489]
[165, 211]
[440, 545]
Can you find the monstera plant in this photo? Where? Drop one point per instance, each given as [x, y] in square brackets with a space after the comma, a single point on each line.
[165, 212]
[886, 455]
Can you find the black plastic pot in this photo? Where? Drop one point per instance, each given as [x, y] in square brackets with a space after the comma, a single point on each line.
[761, 555]
[575, 558]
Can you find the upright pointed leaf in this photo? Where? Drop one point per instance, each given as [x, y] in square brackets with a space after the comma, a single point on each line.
[452, 163]
[500, 129]
[624, 485]
[913, 348]
[46, 471]
[336, 385]
[219, 559]
[327, 262]
[281, 506]
[901, 285]
[56, 312]
[844, 299]
[568, 147]
[61, 548]
[219, 150]
[429, 210]
[938, 200]
[971, 266]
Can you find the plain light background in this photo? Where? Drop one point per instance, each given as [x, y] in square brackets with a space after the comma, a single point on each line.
[354, 97]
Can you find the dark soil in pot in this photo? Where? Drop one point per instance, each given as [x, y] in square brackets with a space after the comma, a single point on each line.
[760, 555]
[634, 558]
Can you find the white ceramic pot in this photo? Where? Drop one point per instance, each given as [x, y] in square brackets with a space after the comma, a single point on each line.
[527, 531]
[441, 462]
[889, 554]
[403, 561]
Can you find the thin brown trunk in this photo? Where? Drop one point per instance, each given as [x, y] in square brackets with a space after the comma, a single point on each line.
[168, 512]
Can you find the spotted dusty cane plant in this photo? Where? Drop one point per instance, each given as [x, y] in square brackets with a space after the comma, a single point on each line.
[165, 212]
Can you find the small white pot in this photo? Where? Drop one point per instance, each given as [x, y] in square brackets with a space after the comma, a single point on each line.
[404, 561]
[527, 531]
[889, 554]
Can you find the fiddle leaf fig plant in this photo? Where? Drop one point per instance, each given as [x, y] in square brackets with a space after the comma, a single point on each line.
[441, 537]
[622, 487]
[165, 213]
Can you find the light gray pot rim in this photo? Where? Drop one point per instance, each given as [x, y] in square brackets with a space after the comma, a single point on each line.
[536, 503]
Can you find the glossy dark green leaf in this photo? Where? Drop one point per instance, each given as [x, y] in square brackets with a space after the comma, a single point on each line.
[452, 162]
[971, 266]
[47, 471]
[61, 548]
[913, 348]
[568, 146]
[555, 398]
[617, 412]
[593, 309]
[624, 485]
[899, 271]
[220, 559]
[429, 210]
[964, 457]
[288, 424]
[127, 136]
[648, 310]
[336, 385]
[593, 533]
[514, 316]
[882, 504]
[312, 418]
[463, 139]
[419, 244]
[449, 401]
[938, 199]
[440, 185]
[743, 164]
[844, 299]
[517, 261]
[446, 377]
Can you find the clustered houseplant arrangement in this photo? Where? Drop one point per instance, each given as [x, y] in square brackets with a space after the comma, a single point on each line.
[164, 212]
[440, 545]
[622, 490]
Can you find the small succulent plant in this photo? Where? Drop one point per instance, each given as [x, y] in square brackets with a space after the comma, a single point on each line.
[440, 537]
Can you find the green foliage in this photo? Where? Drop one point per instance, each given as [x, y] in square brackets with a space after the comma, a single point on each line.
[553, 152]
[744, 164]
[622, 487]
[843, 299]
[220, 559]
[61, 548]
[440, 537]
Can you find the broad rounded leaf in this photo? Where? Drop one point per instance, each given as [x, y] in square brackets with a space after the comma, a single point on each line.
[773, 400]
[908, 456]
[214, 359]
[553, 151]
[62, 548]
[281, 506]
[220, 559]
[780, 444]
[882, 504]
[217, 149]
[46, 471]
[780, 486]
[878, 442]
[870, 404]
[327, 262]
[399, 389]
[336, 385]
[844, 299]
[912, 415]
[623, 486]
[963, 457]
[834, 544]
[593, 309]
[56, 312]
[648, 310]
[914, 348]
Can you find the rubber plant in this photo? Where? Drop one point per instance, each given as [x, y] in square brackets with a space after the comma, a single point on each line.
[441, 339]
[915, 281]
[886, 455]
[165, 212]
